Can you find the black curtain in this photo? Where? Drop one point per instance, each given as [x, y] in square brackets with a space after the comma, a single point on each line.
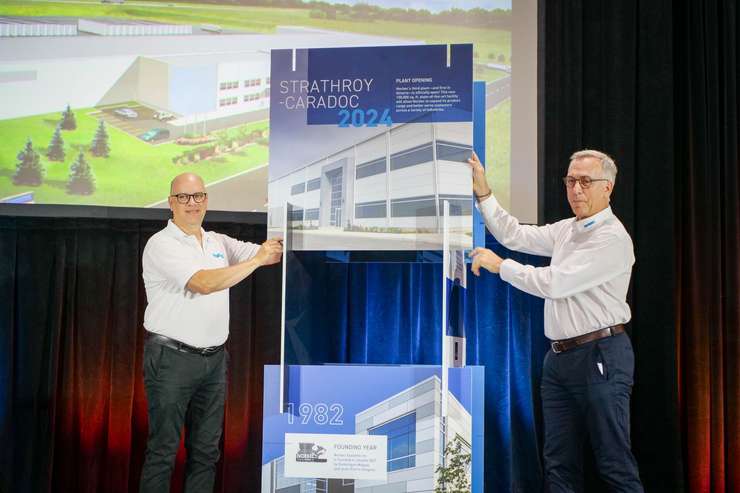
[655, 85]
[707, 55]
[72, 406]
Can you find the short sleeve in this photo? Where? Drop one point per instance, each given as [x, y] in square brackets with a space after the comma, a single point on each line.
[238, 251]
[165, 259]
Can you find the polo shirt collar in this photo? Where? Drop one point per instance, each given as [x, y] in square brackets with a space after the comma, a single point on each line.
[174, 230]
[591, 223]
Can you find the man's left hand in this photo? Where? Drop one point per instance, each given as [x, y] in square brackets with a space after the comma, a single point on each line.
[483, 257]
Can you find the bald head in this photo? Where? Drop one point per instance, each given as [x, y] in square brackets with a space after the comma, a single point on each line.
[185, 180]
[188, 201]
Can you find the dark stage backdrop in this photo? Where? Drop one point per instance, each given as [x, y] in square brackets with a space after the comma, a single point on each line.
[707, 55]
[655, 84]
[72, 407]
[72, 404]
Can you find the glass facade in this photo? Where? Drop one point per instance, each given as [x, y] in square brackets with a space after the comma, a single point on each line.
[401, 433]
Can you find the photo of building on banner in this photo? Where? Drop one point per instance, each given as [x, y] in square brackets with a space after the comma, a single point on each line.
[367, 143]
[388, 436]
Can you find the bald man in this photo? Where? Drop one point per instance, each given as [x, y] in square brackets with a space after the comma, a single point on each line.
[187, 275]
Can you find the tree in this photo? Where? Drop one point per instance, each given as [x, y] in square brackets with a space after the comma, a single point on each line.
[28, 170]
[100, 147]
[454, 477]
[55, 151]
[81, 180]
[68, 119]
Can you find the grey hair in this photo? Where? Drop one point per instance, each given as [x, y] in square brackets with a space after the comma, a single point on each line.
[608, 166]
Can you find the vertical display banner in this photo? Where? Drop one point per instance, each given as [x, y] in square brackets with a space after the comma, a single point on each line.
[368, 151]
[367, 143]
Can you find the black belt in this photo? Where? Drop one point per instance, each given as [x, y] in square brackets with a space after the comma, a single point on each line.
[566, 344]
[182, 347]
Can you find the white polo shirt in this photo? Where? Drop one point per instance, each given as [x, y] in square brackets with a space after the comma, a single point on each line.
[170, 259]
[585, 285]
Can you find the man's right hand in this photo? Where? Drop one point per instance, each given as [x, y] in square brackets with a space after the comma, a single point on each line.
[480, 184]
[270, 252]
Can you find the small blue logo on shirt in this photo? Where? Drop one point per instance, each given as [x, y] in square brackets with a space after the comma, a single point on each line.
[218, 255]
[590, 223]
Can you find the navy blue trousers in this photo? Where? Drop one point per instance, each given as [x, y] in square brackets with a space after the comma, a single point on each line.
[183, 389]
[586, 394]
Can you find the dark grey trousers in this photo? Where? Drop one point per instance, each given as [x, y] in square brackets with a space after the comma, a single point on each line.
[586, 393]
[183, 389]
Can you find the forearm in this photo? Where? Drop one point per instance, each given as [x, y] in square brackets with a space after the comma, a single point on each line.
[208, 281]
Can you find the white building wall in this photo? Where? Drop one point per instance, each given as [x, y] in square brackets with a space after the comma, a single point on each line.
[414, 181]
[154, 83]
[254, 66]
[81, 83]
[267, 478]
[133, 29]
[370, 189]
[40, 29]
[454, 178]
[460, 133]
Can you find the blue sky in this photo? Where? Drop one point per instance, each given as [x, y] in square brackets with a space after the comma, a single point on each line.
[432, 5]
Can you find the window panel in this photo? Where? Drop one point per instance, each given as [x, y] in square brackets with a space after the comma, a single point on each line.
[449, 151]
[418, 155]
[401, 433]
[370, 210]
[413, 207]
[370, 168]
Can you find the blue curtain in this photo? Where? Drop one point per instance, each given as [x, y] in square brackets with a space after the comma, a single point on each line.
[375, 313]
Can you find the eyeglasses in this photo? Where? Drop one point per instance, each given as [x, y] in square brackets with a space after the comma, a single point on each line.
[184, 198]
[585, 181]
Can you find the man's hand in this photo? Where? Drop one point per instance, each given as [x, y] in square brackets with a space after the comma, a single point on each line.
[483, 257]
[270, 252]
[480, 184]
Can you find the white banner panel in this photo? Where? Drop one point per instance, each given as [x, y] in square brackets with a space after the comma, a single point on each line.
[309, 455]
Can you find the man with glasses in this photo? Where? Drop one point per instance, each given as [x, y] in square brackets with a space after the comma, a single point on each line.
[187, 275]
[587, 374]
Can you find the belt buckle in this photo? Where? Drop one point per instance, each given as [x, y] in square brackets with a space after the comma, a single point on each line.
[207, 351]
[557, 347]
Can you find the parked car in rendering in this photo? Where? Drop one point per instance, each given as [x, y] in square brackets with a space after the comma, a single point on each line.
[214, 28]
[155, 134]
[163, 116]
[126, 113]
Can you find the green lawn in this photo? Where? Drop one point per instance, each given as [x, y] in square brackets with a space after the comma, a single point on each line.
[135, 174]
[498, 151]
